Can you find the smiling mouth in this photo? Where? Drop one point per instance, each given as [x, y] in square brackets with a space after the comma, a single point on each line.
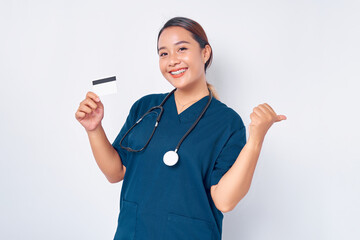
[178, 72]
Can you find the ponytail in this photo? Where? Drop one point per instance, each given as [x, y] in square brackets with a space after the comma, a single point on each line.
[212, 89]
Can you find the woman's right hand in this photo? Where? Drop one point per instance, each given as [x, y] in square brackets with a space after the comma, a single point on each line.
[90, 112]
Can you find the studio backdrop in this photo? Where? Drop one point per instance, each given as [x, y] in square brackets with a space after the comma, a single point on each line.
[300, 57]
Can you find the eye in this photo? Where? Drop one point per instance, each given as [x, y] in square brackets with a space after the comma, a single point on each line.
[183, 48]
[162, 54]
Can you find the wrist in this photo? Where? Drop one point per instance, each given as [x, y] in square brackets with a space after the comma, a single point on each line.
[255, 142]
[95, 131]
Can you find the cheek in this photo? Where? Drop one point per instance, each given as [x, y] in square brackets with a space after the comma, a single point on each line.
[162, 67]
[196, 64]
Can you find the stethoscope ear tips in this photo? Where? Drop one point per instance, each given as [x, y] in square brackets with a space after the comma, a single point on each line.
[170, 158]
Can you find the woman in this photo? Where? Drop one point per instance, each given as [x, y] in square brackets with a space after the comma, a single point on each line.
[183, 196]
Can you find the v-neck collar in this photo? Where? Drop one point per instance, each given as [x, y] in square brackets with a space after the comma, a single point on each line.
[191, 113]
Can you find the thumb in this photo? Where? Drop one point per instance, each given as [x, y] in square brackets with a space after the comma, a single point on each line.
[100, 104]
[280, 117]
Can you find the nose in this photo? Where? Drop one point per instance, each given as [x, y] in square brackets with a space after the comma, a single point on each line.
[173, 60]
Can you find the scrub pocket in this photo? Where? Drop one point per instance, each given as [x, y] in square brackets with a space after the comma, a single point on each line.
[180, 227]
[127, 221]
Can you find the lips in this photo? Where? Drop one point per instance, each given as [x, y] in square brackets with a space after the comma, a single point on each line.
[174, 70]
[179, 74]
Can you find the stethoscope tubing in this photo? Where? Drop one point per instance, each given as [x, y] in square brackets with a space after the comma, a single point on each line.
[194, 124]
[158, 120]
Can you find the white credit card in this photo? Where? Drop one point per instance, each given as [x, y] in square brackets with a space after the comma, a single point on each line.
[105, 86]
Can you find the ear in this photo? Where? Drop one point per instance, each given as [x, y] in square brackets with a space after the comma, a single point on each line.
[206, 53]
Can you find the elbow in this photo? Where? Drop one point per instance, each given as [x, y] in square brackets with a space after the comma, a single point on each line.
[226, 209]
[226, 204]
[223, 207]
[118, 177]
[219, 204]
[230, 207]
[114, 180]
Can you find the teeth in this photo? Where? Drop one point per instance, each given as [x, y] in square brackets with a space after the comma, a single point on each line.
[178, 72]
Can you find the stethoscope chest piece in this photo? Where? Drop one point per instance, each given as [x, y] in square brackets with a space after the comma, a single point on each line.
[171, 158]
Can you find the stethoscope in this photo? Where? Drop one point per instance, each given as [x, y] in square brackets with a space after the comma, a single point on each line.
[171, 157]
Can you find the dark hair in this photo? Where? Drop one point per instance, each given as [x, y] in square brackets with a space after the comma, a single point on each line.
[196, 30]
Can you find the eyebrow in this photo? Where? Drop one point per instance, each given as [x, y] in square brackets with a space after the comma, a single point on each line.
[180, 42]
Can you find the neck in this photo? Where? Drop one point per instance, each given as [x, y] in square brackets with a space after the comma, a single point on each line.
[192, 93]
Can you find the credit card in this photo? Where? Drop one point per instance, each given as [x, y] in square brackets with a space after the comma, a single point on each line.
[105, 86]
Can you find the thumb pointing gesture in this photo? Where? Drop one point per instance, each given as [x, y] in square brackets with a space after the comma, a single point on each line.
[280, 117]
[262, 118]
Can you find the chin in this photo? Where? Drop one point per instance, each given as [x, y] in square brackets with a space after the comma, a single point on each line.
[177, 83]
[180, 83]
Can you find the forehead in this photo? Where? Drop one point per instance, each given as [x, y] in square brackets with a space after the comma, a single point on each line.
[171, 35]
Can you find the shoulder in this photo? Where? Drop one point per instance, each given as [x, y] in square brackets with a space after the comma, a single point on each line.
[145, 102]
[227, 114]
[151, 99]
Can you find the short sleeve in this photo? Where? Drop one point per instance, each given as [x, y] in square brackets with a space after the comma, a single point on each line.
[228, 154]
[130, 121]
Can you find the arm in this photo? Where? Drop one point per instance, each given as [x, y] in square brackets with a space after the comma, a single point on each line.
[106, 156]
[235, 183]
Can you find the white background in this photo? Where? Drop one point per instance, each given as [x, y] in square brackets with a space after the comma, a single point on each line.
[301, 57]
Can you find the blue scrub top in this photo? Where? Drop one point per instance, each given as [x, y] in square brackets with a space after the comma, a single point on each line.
[160, 202]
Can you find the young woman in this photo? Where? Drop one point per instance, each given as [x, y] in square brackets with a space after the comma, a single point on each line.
[182, 173]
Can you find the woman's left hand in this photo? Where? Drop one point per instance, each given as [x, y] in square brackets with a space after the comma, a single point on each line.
[262, 117]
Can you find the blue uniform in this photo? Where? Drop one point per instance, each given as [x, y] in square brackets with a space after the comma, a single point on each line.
[160, 202]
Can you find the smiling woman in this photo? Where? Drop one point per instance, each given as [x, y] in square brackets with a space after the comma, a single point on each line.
[184, 56]
[183, 199]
